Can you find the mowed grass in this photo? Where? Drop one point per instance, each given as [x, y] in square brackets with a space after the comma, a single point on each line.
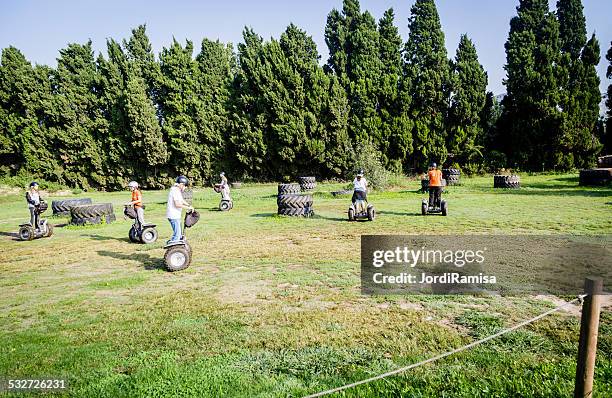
[271, 306]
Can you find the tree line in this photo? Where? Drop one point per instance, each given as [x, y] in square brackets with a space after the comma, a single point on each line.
[268, 109]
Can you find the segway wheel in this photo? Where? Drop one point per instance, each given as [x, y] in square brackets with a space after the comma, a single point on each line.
[424, 208]
[49, 230]
[177, 258]
[351, 214]
[133, 235]
[26, 233]
[148, 235]
[225, 205]
[444, 207]
[371, 213]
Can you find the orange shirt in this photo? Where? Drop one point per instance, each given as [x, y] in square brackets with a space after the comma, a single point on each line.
[137, 198]
[435, 178]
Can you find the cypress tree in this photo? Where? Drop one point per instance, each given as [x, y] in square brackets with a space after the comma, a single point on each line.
[579, 88]
[607, 141]
[396, 138]
[427, 69]
[468, 101]
[530, 122]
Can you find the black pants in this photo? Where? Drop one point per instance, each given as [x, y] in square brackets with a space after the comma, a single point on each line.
[359, 195]
[435, 196]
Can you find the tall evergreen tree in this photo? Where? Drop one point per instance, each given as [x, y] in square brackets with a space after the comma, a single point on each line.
[396, 138]
[353, 42]
[579, 88]
[531, 119]
[427, 69]
[468, 100]
[607, 141]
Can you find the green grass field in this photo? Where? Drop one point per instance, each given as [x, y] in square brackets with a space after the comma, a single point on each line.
[271, 306]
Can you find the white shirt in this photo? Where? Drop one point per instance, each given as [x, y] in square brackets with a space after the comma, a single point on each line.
[35, 197]
[175, 195]
[360, 185]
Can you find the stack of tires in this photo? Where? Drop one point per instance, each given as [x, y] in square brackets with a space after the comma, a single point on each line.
[512, 181]
[451, 176]
[92, 214]
[63, 207]
[596, 177]
[604, 161]
[307, 183]
[291, 202]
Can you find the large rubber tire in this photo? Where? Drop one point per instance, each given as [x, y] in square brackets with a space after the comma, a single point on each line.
[451, 176]
[444, 207]
[148, 235]
[343, 192]
[307, 183]
[225, 205]
[289, 189]
[93, 210]
[133, 235]
[63, 207]
[287, 211]
[188, 196]
[604, 161]
[26, 232]
[507, 181]
[294, 201]
[595, 177]
[371, 213]
[177, 258]
[49, 230]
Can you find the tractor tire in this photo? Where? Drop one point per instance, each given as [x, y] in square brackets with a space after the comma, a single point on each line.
[507, 181]
[307, 183]
[133, 235]
[343, 192]
[26, 233]
[93, 210]
[177, 258]
[292, 212]
[148, 235]
[63, 207]
[294, 201]
[604, 161]
[444, 207]
[451, 176]
[188, 196]
[288, 189]
[595, 177]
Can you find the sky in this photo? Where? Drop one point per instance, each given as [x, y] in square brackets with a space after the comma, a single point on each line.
[40, 28]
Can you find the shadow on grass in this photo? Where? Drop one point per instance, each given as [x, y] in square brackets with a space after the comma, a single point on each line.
[397, 213]
[318, 216]
[101, 237]
[264, 215]
[548, 190]
[13, 235]
[148, 262]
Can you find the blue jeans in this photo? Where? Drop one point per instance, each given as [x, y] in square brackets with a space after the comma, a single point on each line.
[176, 229]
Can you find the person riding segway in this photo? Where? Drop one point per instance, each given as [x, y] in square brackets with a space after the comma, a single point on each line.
[360, 208]
[140, 230]
[36, 228]
[435, 204]
[223, 188]
[178, 251]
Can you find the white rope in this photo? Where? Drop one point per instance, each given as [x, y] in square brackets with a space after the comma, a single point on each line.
[448, 353]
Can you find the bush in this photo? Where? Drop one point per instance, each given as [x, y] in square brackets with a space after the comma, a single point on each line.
[23, 181]
[366, 157]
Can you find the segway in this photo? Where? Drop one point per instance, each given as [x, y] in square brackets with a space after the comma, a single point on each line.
[361, 209]
[440, 206]
[178, 253]
[145, 233]
[44, 230]
[225, 204]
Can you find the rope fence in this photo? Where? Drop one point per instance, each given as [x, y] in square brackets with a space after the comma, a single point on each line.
[448, 353]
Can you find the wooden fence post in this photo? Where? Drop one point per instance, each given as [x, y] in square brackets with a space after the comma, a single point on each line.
[587, 345]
